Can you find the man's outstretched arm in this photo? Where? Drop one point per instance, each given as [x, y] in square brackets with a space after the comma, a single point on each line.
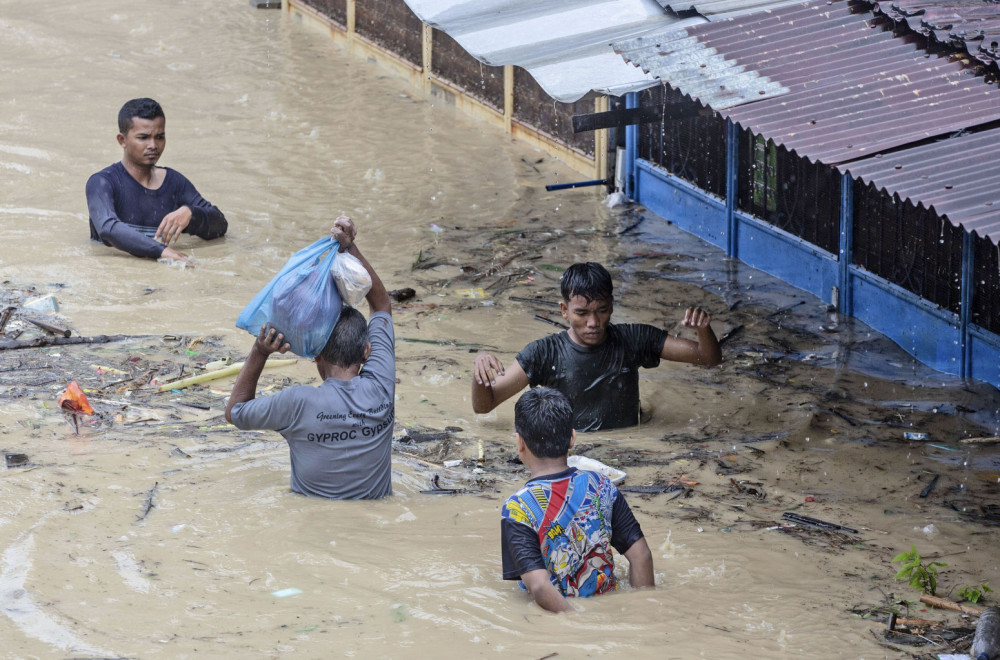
[492, 384]
[705, 352]
[268, 341]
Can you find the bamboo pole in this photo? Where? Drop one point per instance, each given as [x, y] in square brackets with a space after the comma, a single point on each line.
[946, 604]
[219, 373]
[980, 441]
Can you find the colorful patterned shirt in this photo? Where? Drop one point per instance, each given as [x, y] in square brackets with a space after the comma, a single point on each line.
[567, 524]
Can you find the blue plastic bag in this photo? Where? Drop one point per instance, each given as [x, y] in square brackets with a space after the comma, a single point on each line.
[302, 300]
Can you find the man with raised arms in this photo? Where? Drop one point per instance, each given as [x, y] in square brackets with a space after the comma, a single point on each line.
[594, 363]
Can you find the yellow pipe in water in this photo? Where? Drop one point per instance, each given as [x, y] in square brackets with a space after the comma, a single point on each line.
[219, 373]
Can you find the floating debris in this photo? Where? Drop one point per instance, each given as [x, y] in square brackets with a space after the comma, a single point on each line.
[15, 460]
[285, 593]
[814, 522]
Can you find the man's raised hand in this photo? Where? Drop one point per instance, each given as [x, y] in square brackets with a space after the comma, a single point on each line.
[271, 341]
[487, 368]
[696, 317]
[344, 232]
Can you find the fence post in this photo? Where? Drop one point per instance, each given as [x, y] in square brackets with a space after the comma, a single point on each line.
[968, 286]
[732, 182]
[508, 98]
[845, 300]
[631, 147]
[427, 56]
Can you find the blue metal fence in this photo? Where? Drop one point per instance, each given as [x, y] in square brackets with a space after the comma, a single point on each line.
[940, 337]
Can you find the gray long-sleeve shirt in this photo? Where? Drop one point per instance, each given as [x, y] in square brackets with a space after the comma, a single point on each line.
[125, 215]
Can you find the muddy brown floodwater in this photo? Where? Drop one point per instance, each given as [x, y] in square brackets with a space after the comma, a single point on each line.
[158, 531]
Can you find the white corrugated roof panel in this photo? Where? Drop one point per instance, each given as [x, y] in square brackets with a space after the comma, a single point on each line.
[564, 44]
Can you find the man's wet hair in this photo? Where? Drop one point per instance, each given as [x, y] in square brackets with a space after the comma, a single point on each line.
[346, 345]
[589, 280]
[544, 418]
[142, 108]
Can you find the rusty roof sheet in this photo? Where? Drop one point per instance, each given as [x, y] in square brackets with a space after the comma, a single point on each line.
[827, 81]
[818, 78]
[970, 25]
[958, 178]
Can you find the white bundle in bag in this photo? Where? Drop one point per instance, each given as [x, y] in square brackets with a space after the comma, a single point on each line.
[352, 279]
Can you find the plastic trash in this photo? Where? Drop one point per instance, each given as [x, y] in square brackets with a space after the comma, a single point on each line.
[301, 301]
[353, 281]
[615, 199]
[583, 463]
[986, 643]
[473, 293]
[74, 400]
[46, 303]
[285, 593]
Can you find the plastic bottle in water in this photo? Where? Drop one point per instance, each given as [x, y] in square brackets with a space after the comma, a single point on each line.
[986, 643]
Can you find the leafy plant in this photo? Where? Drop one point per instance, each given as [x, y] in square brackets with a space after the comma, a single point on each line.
[975, 594]
[920, 576]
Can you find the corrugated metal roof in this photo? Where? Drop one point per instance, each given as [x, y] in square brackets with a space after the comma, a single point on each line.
[823, 80]
[564, 44]
[958, 177]
[713, 8]
[970, 25]
[818, 79]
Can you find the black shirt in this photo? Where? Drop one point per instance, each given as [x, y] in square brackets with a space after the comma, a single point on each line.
[601, 382]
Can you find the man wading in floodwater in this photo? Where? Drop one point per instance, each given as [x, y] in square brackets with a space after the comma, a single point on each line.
[140, 208]
[339, 433]
[595, 363]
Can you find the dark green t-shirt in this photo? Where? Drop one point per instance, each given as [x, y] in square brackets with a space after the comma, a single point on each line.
[601, 383]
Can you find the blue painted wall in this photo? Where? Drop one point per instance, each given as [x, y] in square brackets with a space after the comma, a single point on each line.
[932, 335]
[783, 255]
[691, 208]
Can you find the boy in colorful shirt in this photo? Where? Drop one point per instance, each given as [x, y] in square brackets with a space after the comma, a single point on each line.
[557, 531]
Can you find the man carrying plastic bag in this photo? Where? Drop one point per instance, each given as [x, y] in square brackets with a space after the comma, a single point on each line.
[303, 300]
[339, 433]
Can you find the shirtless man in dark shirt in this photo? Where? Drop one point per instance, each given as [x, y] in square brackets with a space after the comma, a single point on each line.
[594, 363]
[140, 208]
